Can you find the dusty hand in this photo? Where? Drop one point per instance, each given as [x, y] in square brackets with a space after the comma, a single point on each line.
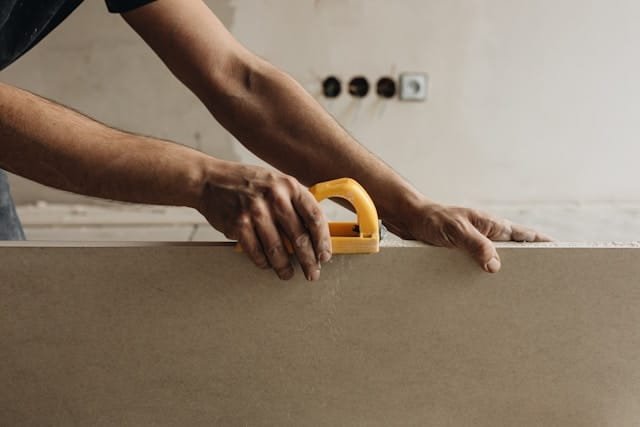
[469, 230]
[254, 205]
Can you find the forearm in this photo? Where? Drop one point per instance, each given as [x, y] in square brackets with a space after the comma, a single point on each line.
[278, 120]
[58, 147]
[264, 108]
[274, 117]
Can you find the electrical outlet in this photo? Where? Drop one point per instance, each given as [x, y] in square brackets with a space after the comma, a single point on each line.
[413, 86]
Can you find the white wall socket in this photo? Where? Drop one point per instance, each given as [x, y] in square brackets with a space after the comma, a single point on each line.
[413, 86]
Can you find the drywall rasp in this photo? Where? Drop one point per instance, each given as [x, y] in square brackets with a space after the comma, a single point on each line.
[361, 237]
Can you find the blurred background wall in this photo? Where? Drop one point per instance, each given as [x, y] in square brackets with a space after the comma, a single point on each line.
[529, 101]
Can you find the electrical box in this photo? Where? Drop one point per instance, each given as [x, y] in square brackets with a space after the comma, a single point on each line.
[414, 86]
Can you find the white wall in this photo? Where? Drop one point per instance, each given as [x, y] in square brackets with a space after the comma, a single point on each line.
[529, 101]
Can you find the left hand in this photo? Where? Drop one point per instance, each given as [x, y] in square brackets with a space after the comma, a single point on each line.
[466, 229]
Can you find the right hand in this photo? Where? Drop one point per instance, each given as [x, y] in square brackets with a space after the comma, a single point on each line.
[258, 207]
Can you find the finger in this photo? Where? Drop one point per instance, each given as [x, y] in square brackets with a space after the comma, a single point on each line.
[524, 234]
[503, 230]
[478, 246]
[250, 244]
[541, 237]
[271, 241]
[507, 231]
[290, 223]
[314, 220]
[498, 230]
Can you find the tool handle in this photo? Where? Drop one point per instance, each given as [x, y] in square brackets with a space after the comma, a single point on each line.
[349, 190]
[347, 237]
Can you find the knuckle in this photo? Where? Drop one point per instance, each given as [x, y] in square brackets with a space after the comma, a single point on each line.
[502, 230]
[258, 213]
[278, 198]
[281, 204]
[493, 230]
[275, 250]
[487, 226]
[259, 259]
[256, 253]
[457, 227]
[471, 212]
[478, 214]
[315, 217]
[460, 212]
[290, 183]
[524, 235]
[283, 184]
[478, 219]
[243, 221]
[302, 241]
[478, 247]
[271, 176]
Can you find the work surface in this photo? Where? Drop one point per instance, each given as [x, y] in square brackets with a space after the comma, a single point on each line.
[194, 335]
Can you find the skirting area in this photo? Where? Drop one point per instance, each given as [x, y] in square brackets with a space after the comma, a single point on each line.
[192, 334]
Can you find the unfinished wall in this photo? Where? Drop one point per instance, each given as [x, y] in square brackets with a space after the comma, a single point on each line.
[528, 100]
[171, 335]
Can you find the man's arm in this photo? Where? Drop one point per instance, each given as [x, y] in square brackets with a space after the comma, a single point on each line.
[273, 116]
[51, 144]
[56, 146]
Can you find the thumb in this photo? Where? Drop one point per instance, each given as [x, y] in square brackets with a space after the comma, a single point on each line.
[482, 250]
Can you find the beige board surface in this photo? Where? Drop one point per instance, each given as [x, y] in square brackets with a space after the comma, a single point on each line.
[194, 335]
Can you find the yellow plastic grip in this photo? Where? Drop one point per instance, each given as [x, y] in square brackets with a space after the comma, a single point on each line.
[362, 237]
[346, 237]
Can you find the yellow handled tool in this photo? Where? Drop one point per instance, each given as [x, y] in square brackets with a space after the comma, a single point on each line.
[349, 237]
[362, 237]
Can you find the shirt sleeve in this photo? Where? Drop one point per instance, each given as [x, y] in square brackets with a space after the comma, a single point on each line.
[122, 6]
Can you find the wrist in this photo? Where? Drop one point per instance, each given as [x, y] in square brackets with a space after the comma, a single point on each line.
[204, 171]
[405, 214]
[215, 173]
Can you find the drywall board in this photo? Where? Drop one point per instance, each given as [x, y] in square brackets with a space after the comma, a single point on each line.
[192, 334]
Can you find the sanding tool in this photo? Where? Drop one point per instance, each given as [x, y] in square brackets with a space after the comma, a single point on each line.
[348, 237]
[361, 237]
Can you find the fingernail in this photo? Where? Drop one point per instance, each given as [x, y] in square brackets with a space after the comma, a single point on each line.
[313, 275]
[286, 274]
[325, 256]
[493, 266]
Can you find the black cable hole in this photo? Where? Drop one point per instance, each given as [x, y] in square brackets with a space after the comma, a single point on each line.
[359, 87]
[386, 87]
[331, 87]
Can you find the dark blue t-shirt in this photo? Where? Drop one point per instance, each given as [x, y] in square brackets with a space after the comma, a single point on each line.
[23, 23]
